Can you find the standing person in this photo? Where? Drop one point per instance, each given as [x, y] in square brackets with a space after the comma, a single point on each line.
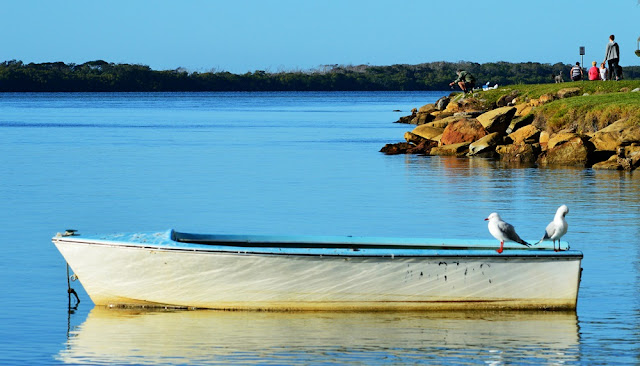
[594, 74]
[465, 80]
[612, 57]
[603, 72]
[576, 72]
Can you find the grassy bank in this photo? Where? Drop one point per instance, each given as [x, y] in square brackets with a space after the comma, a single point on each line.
[606, 102]
[588, 113]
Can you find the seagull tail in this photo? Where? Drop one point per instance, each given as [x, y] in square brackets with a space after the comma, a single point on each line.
[545, 237]
[524, 242]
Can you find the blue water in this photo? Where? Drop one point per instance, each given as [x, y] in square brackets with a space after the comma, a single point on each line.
[288, 163]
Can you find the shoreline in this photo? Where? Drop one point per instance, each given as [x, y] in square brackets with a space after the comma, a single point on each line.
[588, 124]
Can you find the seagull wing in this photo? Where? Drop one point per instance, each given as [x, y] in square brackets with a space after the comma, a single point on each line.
[550, 230]
[510, 233]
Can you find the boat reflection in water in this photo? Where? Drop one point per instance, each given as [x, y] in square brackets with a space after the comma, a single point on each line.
[125, 336]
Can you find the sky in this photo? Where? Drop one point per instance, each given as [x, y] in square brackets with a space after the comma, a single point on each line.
[287, 35]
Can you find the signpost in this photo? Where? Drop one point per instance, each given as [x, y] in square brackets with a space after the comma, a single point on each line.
[582, 58]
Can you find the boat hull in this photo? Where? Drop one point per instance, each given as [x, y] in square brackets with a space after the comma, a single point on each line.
[200, 276]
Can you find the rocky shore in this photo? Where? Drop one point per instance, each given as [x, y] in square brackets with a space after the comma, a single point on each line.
[512, 130]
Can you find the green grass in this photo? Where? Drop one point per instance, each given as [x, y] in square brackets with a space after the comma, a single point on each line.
[534, 91]
[588, 113]
[605, 104]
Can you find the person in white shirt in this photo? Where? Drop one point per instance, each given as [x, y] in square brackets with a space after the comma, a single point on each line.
[604, 73]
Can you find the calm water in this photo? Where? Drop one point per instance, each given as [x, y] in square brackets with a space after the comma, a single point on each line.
[288, 163]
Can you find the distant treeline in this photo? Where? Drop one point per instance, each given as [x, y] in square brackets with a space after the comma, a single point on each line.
[97, 76]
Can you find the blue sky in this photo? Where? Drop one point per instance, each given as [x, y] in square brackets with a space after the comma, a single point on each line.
[284, 35]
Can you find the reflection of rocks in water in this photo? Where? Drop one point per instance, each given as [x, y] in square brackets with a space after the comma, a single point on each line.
[121, 336]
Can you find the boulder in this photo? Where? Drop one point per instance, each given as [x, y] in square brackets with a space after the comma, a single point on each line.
[497, 120]
[560, 138]
[453, 107]
[522, 109]
[573, 151]
[405, 119]
[427, 108]
[626, 158]
[505, 100]
[451, 150]
[424, 147]
[633, 149]
[463, 130]
[422, 118]
[608, 141]
[519, 122]
[635, 160]
[444, 122]
[614, 163]
[442, 114]
[619, 133]
[470, 104]
[466, 104]
[427, 131]
[442, 103]
[525, 133]
[408, 119]
[486, 146]
[518, 153]
[398, 148]
[418, 145]
[631, 154]
[568, 93]
[544, 140]
[469, 113]
[413, 138]
[534, 103]
[546, 98]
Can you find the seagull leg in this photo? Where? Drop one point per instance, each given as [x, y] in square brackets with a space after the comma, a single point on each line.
[501, 245]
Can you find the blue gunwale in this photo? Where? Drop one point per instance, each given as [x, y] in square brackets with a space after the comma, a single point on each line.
[322, 245]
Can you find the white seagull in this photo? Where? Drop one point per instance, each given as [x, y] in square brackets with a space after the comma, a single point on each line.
[503, 231]
[556, 228]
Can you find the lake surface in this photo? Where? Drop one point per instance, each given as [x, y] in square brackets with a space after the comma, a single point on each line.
[288, 163]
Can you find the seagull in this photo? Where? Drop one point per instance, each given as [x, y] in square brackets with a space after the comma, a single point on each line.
[503, 231]
[556, 228]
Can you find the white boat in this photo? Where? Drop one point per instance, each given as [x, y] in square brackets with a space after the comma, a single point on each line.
[173, 269]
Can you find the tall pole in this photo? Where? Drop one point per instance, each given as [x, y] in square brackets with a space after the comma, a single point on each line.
[582, 59]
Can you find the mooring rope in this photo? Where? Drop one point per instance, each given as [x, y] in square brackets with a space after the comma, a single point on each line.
[69, 289]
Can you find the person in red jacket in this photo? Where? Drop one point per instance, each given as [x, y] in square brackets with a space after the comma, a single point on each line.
[594, 73]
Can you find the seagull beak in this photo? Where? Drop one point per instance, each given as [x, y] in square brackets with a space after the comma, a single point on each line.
[487, 219]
